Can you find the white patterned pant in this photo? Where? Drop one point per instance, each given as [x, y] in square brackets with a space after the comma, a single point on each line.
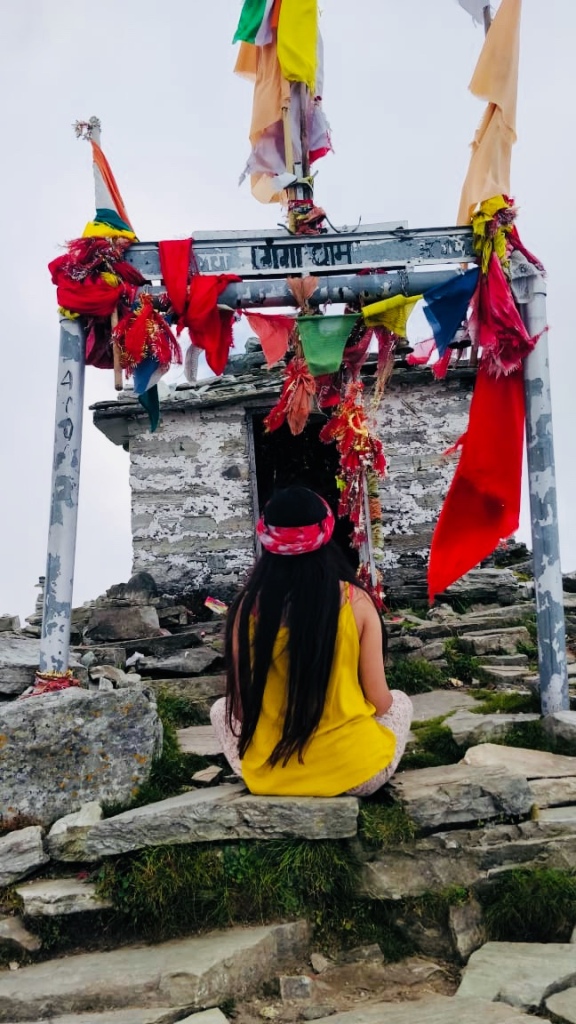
[398, 719]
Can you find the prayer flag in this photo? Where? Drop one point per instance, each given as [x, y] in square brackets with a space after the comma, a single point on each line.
[255, 23]
[323, 339]
[276, 56]
[482, 506]
[391, 313]
[495, 79]
[111, 220]
[298, 41]
[446, 306]
[274, 332]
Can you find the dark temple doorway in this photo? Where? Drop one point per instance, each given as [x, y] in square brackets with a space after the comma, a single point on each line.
[281, 459]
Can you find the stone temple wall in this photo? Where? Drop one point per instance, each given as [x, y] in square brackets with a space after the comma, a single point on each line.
[192, 514]
[417, 423]
[191, 499]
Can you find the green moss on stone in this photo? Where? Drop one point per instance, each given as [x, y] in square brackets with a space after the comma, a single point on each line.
[494, 702]
[385, 827]
[526, 905]
[414, 675]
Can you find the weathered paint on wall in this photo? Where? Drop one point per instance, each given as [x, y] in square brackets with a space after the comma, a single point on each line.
[191, 499]
[192, 517]
[416, 424]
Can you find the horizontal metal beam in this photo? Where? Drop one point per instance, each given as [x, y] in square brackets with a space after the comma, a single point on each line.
[340, 288]
[275, 254]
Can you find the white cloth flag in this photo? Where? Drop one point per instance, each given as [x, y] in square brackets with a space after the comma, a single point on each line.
[475, 8]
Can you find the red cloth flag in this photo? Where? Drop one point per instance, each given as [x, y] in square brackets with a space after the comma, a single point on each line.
[196, 302]
[482, 506]
[273, 330]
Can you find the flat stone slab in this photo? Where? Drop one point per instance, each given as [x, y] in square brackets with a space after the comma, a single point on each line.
[189, 972]
[468, 857]
[554, 792]
[563, 1005]
[210, 815]
[468, 728]
[460, 793]
[523, 974]
[496, 641]
[533, 764]
[65, 840]
[50, 897]
[440, 702]
[21, 852]
[558, 814]
[561, 725]
[63, 750]
[191, 662]
[436, 1010]
[199, 739]
[196, 688]
[160, 1015]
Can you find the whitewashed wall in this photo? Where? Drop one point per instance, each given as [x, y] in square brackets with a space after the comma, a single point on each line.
[192, 518]
[191, 499]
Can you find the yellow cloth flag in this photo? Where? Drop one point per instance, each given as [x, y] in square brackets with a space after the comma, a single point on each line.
[95, 230]
[391, 313]
[298, 41]
[495, 79]
[485, 243]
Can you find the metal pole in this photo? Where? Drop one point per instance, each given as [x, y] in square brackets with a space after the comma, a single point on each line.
[55, 640]
[544, 512]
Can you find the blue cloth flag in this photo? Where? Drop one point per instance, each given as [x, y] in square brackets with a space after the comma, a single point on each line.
[146, 376]
[446, 306]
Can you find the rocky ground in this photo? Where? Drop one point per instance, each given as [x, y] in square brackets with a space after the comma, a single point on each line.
[488, 791]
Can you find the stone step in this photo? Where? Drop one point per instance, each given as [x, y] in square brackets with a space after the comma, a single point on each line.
[195, 973]
[562, 1006]
[532, 764]
[468, 858]
[468, 728]
[161, 1015]
[222, 813]
[505, 660]
[440, 702]
[50, 897]
[495, 641]
[200, 740]
[435, 1010]
[192, 662]
[199, 689]
[460, 794]
[522, 974]
[505, 675]
[21, 853]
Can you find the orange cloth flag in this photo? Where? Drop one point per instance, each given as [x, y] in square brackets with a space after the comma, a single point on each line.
[495, 79]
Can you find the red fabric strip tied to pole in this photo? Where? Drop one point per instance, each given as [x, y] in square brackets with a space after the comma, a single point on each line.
[195, 301]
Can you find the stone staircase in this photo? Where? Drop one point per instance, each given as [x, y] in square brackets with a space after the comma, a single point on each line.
[498, 808]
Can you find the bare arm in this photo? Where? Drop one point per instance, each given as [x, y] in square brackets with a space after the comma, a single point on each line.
[371, 665]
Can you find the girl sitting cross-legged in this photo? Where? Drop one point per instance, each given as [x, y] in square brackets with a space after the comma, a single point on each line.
[307, 710]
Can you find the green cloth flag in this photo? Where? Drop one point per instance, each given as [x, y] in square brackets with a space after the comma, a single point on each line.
[323, 339]
[251, 17]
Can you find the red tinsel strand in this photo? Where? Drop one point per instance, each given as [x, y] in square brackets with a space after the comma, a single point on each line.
[144, 332]
[295, 402]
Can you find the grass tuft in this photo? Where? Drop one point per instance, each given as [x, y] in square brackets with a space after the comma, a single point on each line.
[414, 675]
[385, 827]
[494, 702]
[461, 665]
[526, 905]
[435, 745]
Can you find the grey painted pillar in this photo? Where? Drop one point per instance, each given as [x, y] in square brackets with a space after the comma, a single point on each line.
[55, 641]
[544, 512]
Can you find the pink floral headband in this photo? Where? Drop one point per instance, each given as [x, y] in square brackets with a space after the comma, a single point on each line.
[295, 540]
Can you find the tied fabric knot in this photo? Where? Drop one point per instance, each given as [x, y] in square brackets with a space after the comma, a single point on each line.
[195, 302]
[295, 540]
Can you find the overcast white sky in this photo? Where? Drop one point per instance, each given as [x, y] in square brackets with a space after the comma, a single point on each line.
[175, 119]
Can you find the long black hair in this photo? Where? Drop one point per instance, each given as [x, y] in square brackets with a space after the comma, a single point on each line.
[301, 592]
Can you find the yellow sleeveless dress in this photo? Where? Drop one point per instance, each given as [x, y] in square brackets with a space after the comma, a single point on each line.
[348, 747]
